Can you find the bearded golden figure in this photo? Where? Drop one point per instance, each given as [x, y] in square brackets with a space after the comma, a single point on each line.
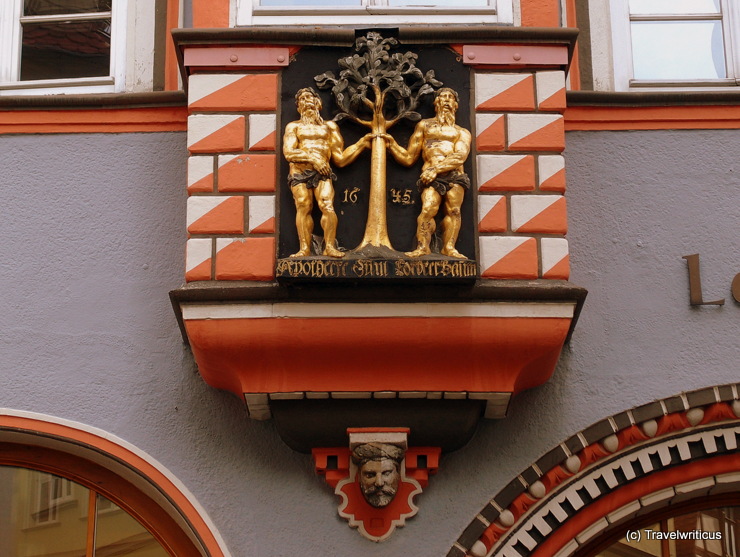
[443, 146]
[309, 145]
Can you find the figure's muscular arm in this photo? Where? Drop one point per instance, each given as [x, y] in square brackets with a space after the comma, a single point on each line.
[410, 155]
[453, 161]
[341, 156]
[294, 154]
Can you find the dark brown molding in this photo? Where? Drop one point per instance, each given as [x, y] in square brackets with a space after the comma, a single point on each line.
[345, 36]
[99, 101]
[653, 98]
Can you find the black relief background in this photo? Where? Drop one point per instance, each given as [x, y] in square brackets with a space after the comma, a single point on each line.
[312, 61]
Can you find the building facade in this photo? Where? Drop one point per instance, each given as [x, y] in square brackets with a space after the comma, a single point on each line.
[173, 382]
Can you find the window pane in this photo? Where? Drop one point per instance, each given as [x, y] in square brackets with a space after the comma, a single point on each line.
[118, 533]
[55, 7]
[434, 3]
[674, 7]
[343, 3]
[65, 49]
[41, 514]
[678, 50]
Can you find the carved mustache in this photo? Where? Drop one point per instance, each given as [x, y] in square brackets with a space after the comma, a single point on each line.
[382, 490]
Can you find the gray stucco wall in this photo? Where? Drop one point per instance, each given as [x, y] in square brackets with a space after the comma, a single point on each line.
[93, 239]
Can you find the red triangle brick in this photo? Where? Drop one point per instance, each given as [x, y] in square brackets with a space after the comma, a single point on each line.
[250, 93]
[561, 270]
[495, 219]
[202, 271]
[225, 218]
[519, 263]
[248, 259]
[552, 220]
[516, 97]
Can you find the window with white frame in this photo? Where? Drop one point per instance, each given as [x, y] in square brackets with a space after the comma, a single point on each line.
[58, 44]
[370, 12]
[675, 43]
[77, 46]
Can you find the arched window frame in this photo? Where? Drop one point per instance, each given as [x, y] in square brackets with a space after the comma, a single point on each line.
[116, 470]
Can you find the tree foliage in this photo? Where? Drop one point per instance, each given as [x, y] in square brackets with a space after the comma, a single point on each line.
[376, 87]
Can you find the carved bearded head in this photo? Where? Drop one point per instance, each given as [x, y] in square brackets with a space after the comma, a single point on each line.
[446, 101]
[308, 102]
[379, 472]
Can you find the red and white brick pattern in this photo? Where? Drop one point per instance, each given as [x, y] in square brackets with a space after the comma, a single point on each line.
[536, 132]
[216, 133]
[505, 172]
[504, 91]
[520, 137]
[544, 214]
[232, 176]
[232, 92]
[510, 257]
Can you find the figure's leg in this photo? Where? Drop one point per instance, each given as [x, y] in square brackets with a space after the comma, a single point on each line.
[425, 225]
[452, 221]
[303, 219]
[324, 193]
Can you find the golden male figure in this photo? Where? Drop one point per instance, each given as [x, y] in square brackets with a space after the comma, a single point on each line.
[308, 145]
[444, 146]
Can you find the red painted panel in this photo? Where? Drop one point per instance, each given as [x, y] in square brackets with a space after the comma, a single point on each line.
[515, 55]
[489, 354]
[238, 57]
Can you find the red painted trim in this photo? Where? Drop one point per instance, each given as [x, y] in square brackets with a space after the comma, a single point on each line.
[119, 120]
[575, 66]
[632, 492]
[515, 55]
[236, 56]
[540, 13]
[273, 355]
[171, 69]
[111, 450]
[581, 118]
[211, 13]
[378, 430]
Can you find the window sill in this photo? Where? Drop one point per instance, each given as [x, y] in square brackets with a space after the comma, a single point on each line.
[87, 85]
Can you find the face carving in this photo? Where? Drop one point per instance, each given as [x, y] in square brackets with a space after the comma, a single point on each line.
[378, 471]
[308, 103]
[446, 101]
[379, 481]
